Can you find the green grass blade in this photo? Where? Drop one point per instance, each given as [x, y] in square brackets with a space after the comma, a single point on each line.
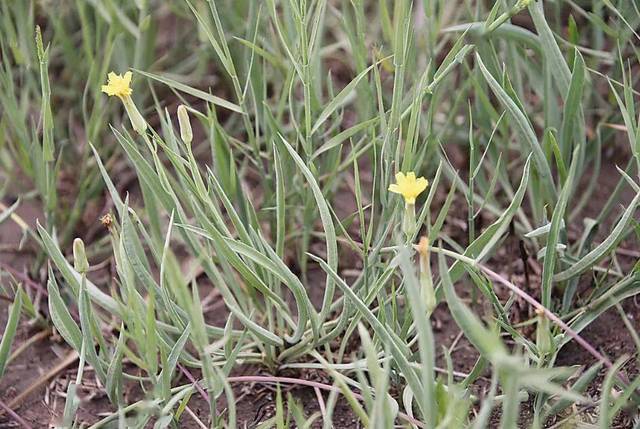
[9, 332]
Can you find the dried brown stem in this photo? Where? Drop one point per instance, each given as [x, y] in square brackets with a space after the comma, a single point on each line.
[4, 407]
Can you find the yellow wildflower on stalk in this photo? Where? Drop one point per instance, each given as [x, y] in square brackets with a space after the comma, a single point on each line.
[120, 86]
[409, 187]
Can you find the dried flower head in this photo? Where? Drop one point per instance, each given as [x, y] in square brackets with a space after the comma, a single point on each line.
[107, 220]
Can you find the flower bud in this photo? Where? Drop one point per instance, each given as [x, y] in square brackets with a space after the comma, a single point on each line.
[80, 262]
[426, 281]
[409, 220]
[137, 121]
[543, 333]
[186, 134]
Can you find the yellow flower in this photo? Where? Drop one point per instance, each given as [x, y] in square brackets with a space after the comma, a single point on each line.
[408, 186]
[118, 85]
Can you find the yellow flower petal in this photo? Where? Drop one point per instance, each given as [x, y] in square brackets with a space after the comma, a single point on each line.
[408, 186]
[422, 184]
[118, 85]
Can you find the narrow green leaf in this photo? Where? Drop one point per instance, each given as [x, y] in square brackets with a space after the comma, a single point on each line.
[426, 345]
[554, 232]
[591, 258]
[486, 341]
[10, 331]
[344, 135]
[341, 97]
[327, 223]
[399, 355]
[61, 318]
[73, 277]
[192, 91]
[572, 132]
[523, 125]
